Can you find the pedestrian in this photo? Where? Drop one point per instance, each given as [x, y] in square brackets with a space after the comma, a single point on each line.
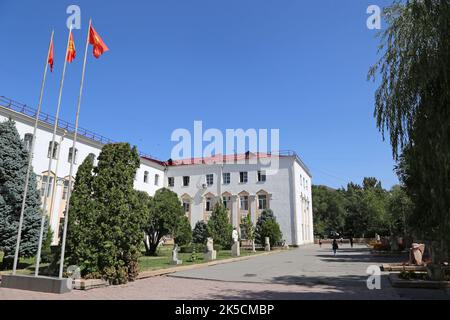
[335, 246]
[320, 243]
[351, 242]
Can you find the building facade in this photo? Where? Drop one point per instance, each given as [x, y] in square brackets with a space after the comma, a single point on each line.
[240, 181]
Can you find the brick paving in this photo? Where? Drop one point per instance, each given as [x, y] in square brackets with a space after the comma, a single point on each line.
[306, 273]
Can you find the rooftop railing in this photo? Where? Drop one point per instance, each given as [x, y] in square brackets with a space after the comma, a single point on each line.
[62, 124]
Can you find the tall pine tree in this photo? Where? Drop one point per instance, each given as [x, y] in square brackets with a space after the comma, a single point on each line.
[13, 169]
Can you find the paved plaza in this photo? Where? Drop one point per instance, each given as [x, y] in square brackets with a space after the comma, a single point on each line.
[305, 273]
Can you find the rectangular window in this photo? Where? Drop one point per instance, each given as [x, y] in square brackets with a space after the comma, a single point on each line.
[261, 176]
[156, 179]
[52, 152]
[49, 188]
[226, 178]
[262, 202]
[146, 177]
[186, 181]
[208, 204]
[244, 203]
[65, 190]
[28, 141]
[243, 177]
[209, 179]
[71, 155]
[227, 202]
[171, 181]
[186, 206]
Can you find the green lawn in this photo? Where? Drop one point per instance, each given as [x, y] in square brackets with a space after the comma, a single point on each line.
[162, 261]
[25, 266]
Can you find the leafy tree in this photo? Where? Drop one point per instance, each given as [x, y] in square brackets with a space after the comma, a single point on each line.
[329, 210]
[13, 168]
[400, 208]
[267, 226]
[219, 227]
[165, 215]
[247, 228]
[411, 105]
[183, 234]
[200, 233]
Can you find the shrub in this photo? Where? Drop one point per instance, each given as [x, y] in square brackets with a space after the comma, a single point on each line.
[219, 227]
[267, 226]
[184, 232]
[200, 233]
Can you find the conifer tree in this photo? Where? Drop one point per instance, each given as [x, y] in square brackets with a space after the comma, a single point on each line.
[219, 227]
[13, 169]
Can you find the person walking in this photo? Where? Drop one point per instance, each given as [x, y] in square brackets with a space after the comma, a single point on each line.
[335, 247]
[351, 242]
[320, 243]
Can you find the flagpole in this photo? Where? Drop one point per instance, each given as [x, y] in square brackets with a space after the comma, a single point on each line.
[55, 127]
[69, 194]
[30, 159]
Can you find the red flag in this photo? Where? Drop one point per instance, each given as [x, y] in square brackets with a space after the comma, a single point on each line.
[97, 42]
[71, 52]
[50, 56]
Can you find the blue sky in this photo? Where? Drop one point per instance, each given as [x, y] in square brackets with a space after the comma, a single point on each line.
[299, 66]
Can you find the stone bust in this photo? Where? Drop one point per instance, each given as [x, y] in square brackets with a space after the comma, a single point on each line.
[235, 235]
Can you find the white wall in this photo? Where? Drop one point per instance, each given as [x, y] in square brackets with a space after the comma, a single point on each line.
[277, 185]
[286, 189]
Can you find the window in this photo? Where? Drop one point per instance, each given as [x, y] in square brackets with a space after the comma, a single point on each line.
[226, 178]
[209, 179]
[156, 179]
[44, 185]
[186, 206]
[227, 202]
[52, 153]
[261, 176]
[28, 141]
[71, 154]
[65, 190]
[146, 177]
[171, 181]
[186, 181]
[209, 204]
[243, 177]
[262, 202]
[244, 203]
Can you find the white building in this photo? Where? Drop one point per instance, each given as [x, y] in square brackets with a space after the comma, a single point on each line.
[239, 180]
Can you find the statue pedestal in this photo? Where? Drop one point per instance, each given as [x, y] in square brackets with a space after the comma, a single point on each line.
[210, 255]
[176, 262]
[236, 249]
[267, 246]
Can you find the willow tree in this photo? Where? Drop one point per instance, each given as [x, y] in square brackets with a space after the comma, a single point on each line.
[412, 107]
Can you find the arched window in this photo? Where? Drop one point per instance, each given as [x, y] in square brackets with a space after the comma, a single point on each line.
[53, 152]
[28, 141]
[156, 179]
[71, 154]
[146, 177]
